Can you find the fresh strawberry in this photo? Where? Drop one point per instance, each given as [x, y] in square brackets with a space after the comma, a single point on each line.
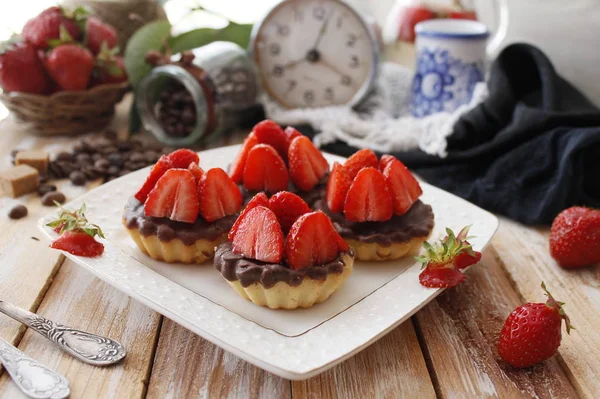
[313, 240]
[395, 176]
[109, 68]
[409, 18]
[183, 158]
[575, 237]
[265, 170]
[269, 132]
[78, 243]
[287, 207]
[462, 14]
[338, 185]
[98, 33]
[442, 262]
[259, 199]
[70, 66]
[307, 164]
[40, 30]
[196, 171]
[368, 199]
[175, 196]
[291, 134]
[22, 70]
[159, 169]
[236, 171]
[385, 160]
[219, 196]
[259, 236]
[359, 160]
[400, 172]
[531, 333]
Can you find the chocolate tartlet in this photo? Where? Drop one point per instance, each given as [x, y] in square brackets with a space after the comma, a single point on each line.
[310, 197]
[387, 240]
[171, 241]
[278, 286]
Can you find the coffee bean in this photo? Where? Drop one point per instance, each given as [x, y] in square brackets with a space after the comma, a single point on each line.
[188, 115]
[115, 159]
[49, 198]
[96, 157]
[67, 167]
[55, 169]
[90, 173]
[101, 164]
[44, 189]
[113, 170]
[64, 156]
[108, 150]
[83, 158]
[17, 212]
[77, 178]
[43, 179]
[136, 157]
[125, 146]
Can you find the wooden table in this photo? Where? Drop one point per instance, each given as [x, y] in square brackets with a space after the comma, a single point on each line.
[446, 350]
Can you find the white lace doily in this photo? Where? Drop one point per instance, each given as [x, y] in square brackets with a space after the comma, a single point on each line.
[382, 122]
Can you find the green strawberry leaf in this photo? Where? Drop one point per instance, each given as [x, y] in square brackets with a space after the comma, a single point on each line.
[151, 36]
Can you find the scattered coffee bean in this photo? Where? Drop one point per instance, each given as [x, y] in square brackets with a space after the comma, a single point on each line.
[115, 159]
[49, 198]
[84, 157]
[113, 170]
[136, 157]
[17, 212]
[101, 164]
[77, 178]
[64, 156]
[125, 146]
[44, 189]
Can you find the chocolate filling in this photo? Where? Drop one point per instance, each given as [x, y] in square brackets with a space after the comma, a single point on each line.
[166, 229]
[417, 222]
[234, 267]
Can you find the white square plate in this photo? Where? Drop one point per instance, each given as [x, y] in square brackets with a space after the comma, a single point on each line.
[294, 344]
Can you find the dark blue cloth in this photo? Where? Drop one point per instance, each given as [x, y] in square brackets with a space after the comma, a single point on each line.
[530, 150]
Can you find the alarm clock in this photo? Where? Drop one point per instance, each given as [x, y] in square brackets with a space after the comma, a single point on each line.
[315, 53]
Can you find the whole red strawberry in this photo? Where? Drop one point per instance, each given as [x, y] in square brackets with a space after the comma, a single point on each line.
[109, 68]
[531, 333]
[70, 66]
[575, 237]
[22, 70]
[40, 30]
[99, 34]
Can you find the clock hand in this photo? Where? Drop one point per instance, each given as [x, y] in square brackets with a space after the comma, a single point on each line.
[292, 64]
[331, 67]
[322, 31]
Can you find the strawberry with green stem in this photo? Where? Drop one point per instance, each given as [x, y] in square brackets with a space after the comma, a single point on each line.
[109, 67]
[76, 233]
[68, 63]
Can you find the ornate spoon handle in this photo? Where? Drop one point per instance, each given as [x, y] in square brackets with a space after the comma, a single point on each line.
[89, 348]
[34, 379]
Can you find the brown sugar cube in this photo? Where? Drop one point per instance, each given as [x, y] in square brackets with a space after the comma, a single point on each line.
[19, 180]
[35, 159]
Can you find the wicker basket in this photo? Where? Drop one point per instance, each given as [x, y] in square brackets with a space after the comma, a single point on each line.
[66, 112]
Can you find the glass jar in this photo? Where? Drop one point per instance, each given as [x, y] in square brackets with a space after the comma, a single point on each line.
[183, 103]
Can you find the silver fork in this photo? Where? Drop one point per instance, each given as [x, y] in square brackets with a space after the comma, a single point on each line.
[89, 348]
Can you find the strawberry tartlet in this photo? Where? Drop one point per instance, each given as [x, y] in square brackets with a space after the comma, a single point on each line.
[272, 160]
[282, 255]
[375, 207]
[182, 212]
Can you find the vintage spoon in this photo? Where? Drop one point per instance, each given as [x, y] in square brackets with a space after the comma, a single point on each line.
[34, 379]
[89, 348]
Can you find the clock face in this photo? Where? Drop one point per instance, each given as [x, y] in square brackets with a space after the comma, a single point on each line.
[314, 53]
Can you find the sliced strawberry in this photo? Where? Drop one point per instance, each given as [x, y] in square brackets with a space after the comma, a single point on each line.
[156, 173]
[307, 164]
[401, 199]
[269, 132]
[312, 240]
[78, 243]
[385, 160]
[337, 187]
[291, 134]
[219, 196]
[464, 259]
[196, 171]
[440, 277]
[259, 199]
[368, 198]
[183, 158]
[410, 183]
[287, 207]
[236, 171]
[174, 196]
[259, 236]
[265, 170]
[361, 159]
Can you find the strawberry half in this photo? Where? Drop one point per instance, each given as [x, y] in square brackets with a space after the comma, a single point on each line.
[290, 135]
[395, 177]
[361, 159]
[313, 240]
[385, 160]
[183, 158]
[174, 196]
[288, 207]
[259, 199]
[307, 164]
[265, 170]
[78, 243]
[219, 196]
[440, 277]
[259, 236]
[158, 170]
[236, 171]
[197, 171]
[269, 132]
[338, 185]
[368, 199]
